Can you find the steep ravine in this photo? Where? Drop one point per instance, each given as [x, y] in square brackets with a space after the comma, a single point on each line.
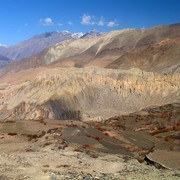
[86, 94]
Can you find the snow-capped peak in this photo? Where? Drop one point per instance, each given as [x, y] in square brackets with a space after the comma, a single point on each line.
[65, 32]
[77, 35]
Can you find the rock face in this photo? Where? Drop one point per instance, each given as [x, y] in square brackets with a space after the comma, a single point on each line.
[87, 93]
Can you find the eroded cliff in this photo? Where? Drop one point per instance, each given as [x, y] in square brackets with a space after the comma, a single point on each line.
[86, 93]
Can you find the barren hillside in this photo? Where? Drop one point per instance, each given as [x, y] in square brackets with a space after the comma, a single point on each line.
[84, 93]
[154, 49]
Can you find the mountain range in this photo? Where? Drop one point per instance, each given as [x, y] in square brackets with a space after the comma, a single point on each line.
[36, 44]
[148, 49]
[40, 42]
[153, 49]
[94, 98]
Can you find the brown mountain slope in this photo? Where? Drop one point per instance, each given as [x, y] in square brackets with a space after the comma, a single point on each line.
[156, 56]
[153, 49]
[157, 42]
[28, 63]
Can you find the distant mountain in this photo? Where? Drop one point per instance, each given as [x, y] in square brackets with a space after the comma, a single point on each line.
[77, 35]
[3, 61]
[147, 63]
[3, 49]
[92, 34]
[36, 44]
[154, 49]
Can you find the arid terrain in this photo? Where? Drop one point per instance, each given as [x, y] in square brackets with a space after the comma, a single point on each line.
[141, 146]
[101, 107]
[69, 124]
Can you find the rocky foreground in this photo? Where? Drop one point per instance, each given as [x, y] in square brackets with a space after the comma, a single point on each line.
[113, 149]
[89, 123]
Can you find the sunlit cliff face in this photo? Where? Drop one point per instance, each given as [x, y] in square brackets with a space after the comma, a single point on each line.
[86, 93]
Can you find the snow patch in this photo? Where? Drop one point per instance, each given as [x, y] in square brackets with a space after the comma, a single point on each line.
[77, 35]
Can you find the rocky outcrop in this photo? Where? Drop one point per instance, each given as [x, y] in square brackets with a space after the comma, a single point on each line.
[156, 119]
[160, 122]
[86, 93]
[61, 108]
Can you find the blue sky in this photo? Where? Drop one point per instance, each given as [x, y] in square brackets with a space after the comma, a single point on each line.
[22, 19]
